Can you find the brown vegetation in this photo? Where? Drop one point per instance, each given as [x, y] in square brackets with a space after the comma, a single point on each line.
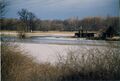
[78, 65]
[71, 24]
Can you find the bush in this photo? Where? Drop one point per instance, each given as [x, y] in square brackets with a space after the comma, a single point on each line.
[18, 66]
[21, 34]
[15, 65]
[92, 64]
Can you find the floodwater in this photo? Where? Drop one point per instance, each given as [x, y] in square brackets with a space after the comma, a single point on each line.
[47, 48]
[71, 41]
[63, 40]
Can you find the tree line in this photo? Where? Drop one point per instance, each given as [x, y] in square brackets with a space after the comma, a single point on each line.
[29, 22]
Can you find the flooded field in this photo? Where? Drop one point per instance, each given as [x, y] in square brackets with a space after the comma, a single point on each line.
[47, 48]
[50, 52]
[64, 40]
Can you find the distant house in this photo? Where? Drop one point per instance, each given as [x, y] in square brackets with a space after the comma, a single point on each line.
[102, 32]
[84, 33]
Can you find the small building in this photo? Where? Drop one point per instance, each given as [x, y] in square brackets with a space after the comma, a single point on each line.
[102, 32]
[84, 33]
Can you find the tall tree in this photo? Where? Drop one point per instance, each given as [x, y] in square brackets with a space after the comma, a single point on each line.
[28, 19]
[24, 19]
[31, 21]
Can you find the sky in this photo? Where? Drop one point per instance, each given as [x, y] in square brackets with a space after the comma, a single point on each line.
[63, 9]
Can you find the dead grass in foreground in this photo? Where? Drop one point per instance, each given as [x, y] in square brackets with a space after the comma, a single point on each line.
[77, 65]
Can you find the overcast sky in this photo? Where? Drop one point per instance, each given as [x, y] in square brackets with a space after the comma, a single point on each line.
[63, 9]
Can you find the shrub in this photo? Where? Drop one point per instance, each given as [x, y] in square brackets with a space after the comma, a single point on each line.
[21, 34]
[15, 66]
[92, 64]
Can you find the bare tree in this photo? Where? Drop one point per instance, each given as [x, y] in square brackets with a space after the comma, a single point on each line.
[32, 21]
[28, 19]
[24, 19]
[3, 5]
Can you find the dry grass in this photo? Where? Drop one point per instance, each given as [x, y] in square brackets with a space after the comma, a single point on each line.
[15, 65]
[78, 65]
[40, 33]
[92, 64]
